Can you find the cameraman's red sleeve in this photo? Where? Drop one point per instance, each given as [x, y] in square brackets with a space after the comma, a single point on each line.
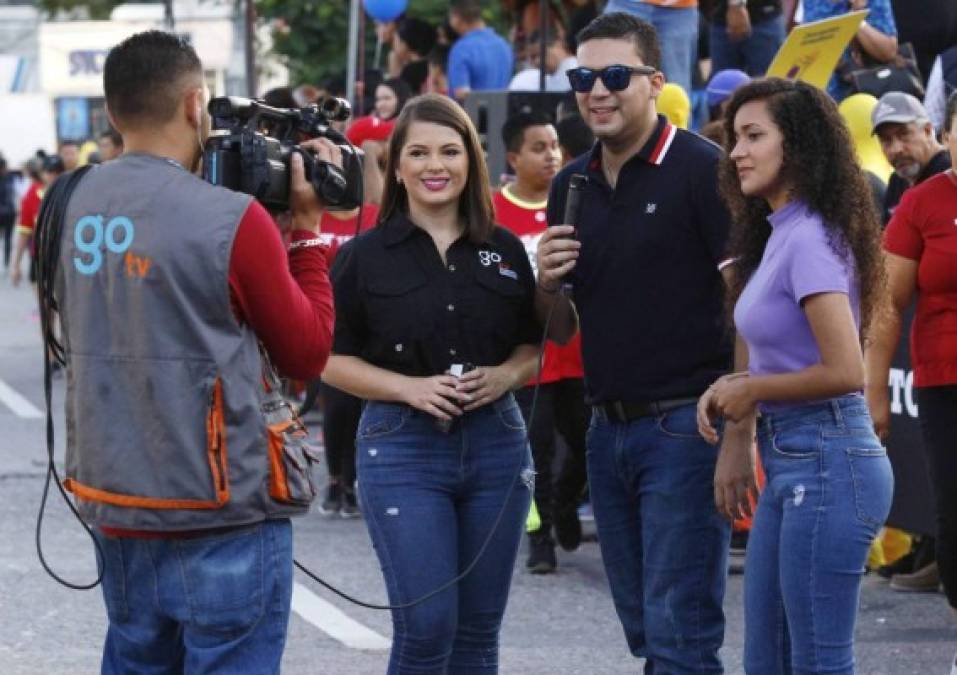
[287, 300]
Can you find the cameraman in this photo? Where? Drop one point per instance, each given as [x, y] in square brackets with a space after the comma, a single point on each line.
[166, 287]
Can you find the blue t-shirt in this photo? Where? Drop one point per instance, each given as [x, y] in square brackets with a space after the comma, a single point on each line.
[480, 59]
[798, 262]
[881, 17]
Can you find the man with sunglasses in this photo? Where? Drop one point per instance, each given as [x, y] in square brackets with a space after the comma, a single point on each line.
[642, 260]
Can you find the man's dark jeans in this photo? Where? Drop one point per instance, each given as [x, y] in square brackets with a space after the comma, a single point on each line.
[663, 544]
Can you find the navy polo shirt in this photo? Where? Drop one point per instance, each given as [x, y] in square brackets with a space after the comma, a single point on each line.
[647, 286]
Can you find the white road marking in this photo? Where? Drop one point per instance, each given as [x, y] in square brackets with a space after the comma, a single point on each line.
[333, 621]
[20, 406]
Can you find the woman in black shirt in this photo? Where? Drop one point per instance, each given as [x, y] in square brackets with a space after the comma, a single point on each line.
[435, 288]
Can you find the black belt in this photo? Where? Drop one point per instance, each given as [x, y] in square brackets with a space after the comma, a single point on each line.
[624, 411]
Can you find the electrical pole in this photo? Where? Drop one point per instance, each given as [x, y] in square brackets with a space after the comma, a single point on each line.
[251, 84]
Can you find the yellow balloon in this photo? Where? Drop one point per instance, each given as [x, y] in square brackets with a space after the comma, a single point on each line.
[856, 111]
[87, 149]
[674, 104]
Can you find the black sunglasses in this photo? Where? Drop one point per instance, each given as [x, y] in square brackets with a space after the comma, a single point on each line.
[615, 78]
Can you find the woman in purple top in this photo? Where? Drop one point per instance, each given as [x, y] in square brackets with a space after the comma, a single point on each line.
[806, 278]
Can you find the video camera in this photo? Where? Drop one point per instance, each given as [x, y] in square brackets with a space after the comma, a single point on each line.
[252, 143]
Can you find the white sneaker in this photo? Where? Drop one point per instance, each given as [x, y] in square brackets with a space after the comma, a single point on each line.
[953, 667]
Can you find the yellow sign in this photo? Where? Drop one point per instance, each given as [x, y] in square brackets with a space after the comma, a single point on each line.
[812, 50]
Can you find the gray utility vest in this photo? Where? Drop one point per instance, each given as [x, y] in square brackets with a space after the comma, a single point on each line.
[164, 386]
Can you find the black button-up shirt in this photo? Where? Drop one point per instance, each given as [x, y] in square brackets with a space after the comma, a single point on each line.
[647, 285]
[399, 307]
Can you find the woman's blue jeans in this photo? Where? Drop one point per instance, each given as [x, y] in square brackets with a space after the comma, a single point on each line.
[430, 500]
[829, 489]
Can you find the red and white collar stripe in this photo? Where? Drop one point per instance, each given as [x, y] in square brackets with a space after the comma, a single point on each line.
[668, 134]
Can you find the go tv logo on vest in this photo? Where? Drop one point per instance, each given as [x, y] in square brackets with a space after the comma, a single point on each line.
[90, 237]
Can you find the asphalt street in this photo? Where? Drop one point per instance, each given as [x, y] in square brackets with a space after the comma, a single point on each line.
[558, 624]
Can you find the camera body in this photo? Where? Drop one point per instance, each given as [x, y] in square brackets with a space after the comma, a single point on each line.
[252, 143]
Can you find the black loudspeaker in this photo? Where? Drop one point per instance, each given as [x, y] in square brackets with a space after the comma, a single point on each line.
[488, 111]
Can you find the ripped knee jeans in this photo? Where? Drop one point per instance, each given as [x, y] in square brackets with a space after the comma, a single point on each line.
[829, 489]
[430, 500]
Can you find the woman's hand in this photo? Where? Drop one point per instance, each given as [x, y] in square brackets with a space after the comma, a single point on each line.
[879, 405]
[731, 397]
[483, 385]
[735, 486]
[435, 395]
[708, 408]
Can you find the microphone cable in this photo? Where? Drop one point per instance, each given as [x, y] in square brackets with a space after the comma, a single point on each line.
[576, 190]
[48, 232]
[498, 519]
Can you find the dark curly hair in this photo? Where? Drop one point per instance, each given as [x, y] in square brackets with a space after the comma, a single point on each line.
[822, 170]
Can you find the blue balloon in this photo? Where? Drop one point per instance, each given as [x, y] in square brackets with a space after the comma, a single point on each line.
[385, 10]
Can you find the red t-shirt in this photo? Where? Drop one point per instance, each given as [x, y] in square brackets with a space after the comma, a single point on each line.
[337, 231]
[30, 208]
[369, 128]
[527, 221]
[924, 228]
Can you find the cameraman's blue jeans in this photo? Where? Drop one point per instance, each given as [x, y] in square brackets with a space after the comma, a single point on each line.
[430, 500]
[215, 604]
[828, 491]
[663, 544]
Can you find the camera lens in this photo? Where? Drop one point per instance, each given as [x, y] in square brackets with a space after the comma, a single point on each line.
[336, 108]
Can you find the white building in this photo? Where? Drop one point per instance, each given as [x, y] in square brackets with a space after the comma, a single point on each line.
[51, 71]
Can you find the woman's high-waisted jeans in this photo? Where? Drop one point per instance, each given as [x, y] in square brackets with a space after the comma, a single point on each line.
[829, 488]
[430, 500]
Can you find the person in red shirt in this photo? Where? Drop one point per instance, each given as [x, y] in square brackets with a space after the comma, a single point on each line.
[534, 154]
[371, 133]
[390, 97]
[42, 174]
[921, 246]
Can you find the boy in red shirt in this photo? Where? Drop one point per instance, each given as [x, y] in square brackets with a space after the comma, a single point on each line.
[534, 154]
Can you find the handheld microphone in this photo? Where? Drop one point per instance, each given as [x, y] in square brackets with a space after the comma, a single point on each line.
[576, 187]
[573, 200]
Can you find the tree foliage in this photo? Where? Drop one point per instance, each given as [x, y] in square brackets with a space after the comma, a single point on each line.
[93, 9]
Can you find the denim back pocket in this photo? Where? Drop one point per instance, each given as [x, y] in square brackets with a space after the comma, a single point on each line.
[873, 482]
[382, 419]
[799, 442]
[223, 578]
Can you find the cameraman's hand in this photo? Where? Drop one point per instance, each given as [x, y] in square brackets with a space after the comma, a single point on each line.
[304, 203]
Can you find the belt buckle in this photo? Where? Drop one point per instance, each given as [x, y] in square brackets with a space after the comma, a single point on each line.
[619, 409]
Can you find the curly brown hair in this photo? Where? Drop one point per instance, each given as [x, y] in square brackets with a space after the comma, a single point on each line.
[821, 168]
